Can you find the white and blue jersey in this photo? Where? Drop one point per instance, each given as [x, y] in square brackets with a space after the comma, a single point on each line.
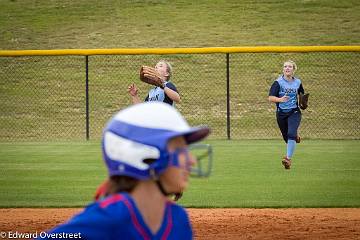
[158, 94]
[117, 217]
[282, 87]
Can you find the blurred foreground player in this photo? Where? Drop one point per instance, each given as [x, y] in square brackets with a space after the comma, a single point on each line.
[145, 149]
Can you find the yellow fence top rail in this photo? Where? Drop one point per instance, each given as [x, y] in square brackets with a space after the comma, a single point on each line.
[143, 51]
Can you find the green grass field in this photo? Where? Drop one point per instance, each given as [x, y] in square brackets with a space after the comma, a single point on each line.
[245, 174]
[42, 98]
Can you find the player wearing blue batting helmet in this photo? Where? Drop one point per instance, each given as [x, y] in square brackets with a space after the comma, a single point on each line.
[145, 149]
[142, 132]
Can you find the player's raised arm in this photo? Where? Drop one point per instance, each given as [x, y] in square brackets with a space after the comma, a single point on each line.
[133, 92]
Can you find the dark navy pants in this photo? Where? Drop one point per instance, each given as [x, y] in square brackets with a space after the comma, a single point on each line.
[289, 123]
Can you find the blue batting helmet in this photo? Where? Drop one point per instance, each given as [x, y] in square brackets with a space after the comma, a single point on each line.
[141, 132]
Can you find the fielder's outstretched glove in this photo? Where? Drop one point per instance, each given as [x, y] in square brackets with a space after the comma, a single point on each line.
[303, 100]
[151, 76]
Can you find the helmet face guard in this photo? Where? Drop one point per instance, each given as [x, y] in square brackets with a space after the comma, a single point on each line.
[203, 154]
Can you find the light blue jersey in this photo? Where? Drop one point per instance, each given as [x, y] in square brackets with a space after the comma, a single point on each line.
[289, 89]
[158, 94]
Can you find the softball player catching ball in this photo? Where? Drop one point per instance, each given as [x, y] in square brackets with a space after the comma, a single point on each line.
[145, 149]
[284, 92]
[166, 93]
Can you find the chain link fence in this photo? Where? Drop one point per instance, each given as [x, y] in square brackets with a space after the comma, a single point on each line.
[43, 98]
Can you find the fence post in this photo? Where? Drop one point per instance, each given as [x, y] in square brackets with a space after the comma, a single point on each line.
[228, 95]
[87, 96]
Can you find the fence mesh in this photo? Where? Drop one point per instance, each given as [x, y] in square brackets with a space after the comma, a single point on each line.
[43, 97]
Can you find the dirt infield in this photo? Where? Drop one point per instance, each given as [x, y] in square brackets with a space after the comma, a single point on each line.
[327, 223]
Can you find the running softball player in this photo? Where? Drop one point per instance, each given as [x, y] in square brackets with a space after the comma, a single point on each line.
[145, 149]
[284, 92]
[166, 93]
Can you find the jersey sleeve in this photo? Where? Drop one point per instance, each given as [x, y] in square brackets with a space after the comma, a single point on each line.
[274, 89]
[171, 86]
[301, 89]
[187, 233]
[92, 223]
[182, 230]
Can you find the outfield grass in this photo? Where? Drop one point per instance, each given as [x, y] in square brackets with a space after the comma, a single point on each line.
[43, 97]
[245, 174]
